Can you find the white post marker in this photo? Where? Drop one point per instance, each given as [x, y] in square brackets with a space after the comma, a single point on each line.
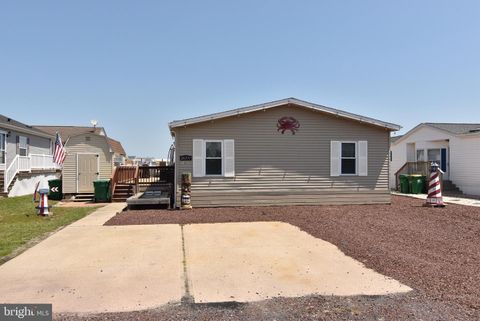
[43, 205]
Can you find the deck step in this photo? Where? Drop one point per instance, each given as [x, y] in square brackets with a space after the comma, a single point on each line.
[123, 187]
[122, 192]
[83, 197]
[449, 188]
[119, 200]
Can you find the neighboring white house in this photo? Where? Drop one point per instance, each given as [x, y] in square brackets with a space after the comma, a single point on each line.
[25, 157]
[455, 147]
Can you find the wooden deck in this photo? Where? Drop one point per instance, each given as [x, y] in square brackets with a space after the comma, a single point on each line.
[150, 198]
[128, 181]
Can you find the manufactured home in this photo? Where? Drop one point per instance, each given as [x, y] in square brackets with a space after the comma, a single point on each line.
[454, 146]
[25, 157]
[283, 152]
[119, 155]
[90, 156]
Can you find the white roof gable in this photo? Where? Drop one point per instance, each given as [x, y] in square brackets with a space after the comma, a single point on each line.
[442, 130]
[249, 109]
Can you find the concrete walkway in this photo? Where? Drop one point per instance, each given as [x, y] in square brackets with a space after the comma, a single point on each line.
[446, 199]
[88, 267]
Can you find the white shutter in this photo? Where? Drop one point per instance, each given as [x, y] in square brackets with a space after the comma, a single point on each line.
[229, 157]
[198, 158]
[335, 150]
[362, 158]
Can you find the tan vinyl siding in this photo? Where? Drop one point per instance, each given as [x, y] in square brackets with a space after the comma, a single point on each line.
[78, 144]
[271, 168]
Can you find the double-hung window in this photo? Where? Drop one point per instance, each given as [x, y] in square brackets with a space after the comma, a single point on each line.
[420, 155]
[22, 146]
[349, 158]
[213, 157]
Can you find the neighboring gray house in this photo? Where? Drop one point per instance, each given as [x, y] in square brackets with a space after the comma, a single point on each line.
[283, 152]
[25, 157]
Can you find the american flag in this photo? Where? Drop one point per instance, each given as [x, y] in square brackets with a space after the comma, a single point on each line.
[60, 153]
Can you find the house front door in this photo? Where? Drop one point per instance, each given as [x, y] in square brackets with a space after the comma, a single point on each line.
[88, 171]
[439, 155]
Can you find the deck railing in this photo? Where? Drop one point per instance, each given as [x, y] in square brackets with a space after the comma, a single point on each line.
[155, 175]
[422, 168]
[11, 172]
[26, 164]
[124, 175]
[42, 161]
[142, 176]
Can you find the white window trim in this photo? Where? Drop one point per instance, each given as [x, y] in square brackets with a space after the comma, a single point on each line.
[2, 165]
[356, 157]
[222, 158]
[20, 145]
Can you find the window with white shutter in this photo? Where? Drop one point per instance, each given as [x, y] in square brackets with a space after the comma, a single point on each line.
[348, 158]
[213, 158]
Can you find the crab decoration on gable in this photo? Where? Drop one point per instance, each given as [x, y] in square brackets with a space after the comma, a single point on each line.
[288, 123]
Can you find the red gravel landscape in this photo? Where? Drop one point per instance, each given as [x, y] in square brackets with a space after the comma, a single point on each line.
[435, 251]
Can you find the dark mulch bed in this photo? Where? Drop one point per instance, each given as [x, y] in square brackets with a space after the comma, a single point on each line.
[435, 251]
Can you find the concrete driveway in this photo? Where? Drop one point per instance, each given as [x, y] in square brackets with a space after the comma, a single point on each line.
[87, 267]
[255, 261]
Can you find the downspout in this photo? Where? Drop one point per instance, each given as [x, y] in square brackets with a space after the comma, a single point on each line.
[174, 136]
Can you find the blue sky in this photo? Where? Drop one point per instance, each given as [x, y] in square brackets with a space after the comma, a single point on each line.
[136, 65]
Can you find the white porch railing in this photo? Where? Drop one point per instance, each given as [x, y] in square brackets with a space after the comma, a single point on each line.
[23, 163]
[40, 161]
[26, 164]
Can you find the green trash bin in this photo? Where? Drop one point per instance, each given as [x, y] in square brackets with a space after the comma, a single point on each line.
[102, 190]
[404, 184]
[425, 184]
[417, 183]
[55, 189]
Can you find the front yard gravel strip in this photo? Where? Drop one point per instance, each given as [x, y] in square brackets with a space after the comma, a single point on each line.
[435, 251]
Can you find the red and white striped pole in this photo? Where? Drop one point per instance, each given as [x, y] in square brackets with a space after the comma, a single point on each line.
[434, 198]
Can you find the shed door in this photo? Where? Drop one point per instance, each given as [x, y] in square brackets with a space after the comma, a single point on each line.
[87, 168]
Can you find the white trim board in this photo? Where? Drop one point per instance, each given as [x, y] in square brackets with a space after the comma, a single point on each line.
[277, 103]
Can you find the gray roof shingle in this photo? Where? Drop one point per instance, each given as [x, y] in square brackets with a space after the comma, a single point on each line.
[7, 121]
[69, 131]
[395, 138]
[456, 128]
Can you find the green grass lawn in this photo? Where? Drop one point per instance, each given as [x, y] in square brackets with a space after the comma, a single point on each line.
[19, 222]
